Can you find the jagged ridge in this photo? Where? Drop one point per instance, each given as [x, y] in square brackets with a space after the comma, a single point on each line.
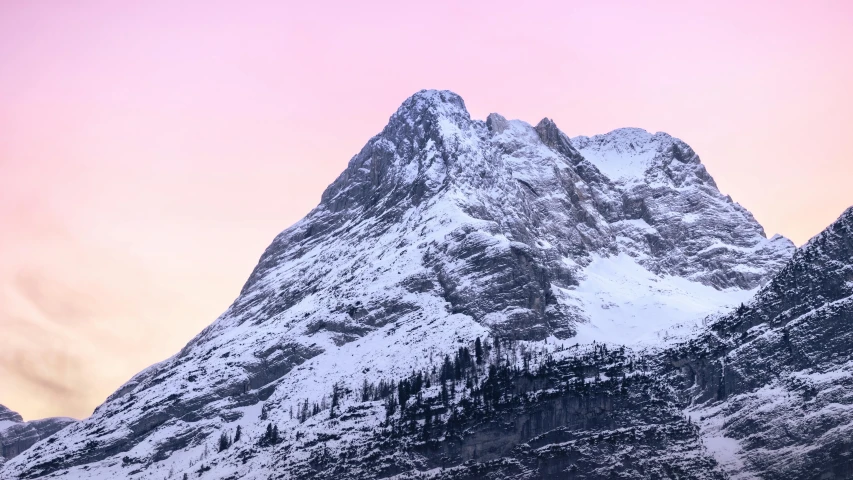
[772, 383]
[16, 435]
[441, 230]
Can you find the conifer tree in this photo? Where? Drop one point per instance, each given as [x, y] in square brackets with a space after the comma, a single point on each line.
[224, 443]
[335, 401]
[304, 413]
[427, 421]
[478, 351]
[403, 393]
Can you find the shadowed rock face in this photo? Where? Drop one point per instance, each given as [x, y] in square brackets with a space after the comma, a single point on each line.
[779, 370]
[7, 415]
[561, 420]
[16, 435]
[440, 230]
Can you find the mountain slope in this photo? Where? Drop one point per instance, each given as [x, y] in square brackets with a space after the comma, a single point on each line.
[441, 230]
[772, 383]
[16, 435]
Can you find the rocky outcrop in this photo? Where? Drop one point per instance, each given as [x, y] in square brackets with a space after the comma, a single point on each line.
[674, 218]
[16, 435]
[7, 415]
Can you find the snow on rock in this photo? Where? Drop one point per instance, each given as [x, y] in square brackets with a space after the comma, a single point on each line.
[625, 154]
[16, 435]
[442, 229]
[630, 305]
[691, 229]
[771, 384]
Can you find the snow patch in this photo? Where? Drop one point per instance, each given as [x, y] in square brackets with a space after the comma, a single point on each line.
[626, 304]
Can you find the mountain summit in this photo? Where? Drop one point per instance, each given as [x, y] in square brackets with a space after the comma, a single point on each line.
[444, 235]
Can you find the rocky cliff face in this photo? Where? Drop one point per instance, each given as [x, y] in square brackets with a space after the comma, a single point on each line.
[686, 227]
[772, 383]
[588, 412]
[443, 230]
[16, 435]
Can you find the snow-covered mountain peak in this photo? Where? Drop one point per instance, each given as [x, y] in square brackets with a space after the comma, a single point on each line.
[496, 123]
[439, 103]
[429, 137]
[440, 230]
[633, 155]
[429, 116]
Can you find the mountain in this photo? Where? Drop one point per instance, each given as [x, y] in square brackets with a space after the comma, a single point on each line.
[771, 384]
[695, 232]
[572, 263]
[16, 435]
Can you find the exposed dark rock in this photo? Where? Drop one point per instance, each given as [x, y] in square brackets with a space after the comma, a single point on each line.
[16, 435]
[779, 368]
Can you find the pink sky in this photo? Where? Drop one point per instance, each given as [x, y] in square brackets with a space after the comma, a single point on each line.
[149, 151]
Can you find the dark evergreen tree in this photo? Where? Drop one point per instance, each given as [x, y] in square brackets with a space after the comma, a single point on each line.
[224, 443]
[335, 399]
[237, 434]
[386, 389]
[418, 382]
[447, 369]
[427, 420]
[478, 351]
[497, 343]
[390, 407]
[493, 394]
[457, 367]
[304, 412]
[366, 391]
[403, 393]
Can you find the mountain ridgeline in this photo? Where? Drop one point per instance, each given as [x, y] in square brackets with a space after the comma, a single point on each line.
[16, 435]
[493, 299]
